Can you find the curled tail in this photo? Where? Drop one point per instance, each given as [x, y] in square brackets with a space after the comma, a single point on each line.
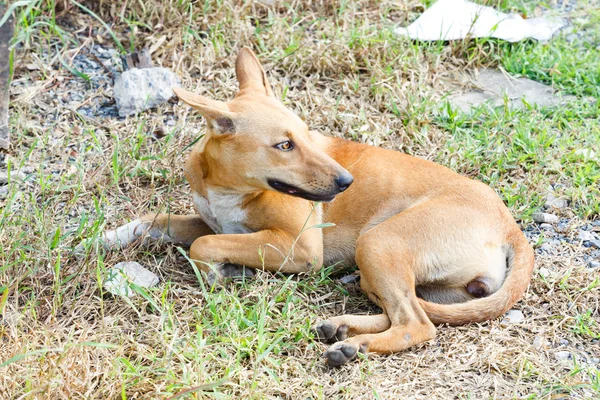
[520, 263]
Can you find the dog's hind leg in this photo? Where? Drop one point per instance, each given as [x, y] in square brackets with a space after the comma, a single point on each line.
[407, 324]
[340, 327]
[387, 267]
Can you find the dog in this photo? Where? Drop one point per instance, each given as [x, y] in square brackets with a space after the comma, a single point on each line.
[432, 247]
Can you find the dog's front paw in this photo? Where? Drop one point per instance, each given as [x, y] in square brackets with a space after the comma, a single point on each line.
[226, 271]
[328, 332]
[117, 239]
[340, 353]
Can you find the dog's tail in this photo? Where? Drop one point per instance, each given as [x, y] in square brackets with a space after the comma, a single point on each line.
[520, 263]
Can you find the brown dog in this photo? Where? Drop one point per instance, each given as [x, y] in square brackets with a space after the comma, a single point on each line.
[432, 246]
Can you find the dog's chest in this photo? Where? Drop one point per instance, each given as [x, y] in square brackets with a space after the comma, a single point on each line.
[222, 212]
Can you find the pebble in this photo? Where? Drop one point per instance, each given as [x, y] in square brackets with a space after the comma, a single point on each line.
[547, 227]
[547, 247]
[349, 279]
[14, 174]
[138, 89]
[555, 202]
[544, 272]
[513, 317]
[563, 355]
[540, 217]
[594, 264]
[585, 235]
[539, 343]
[120, 276]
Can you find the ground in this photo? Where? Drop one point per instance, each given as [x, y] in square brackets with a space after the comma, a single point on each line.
[345, 73]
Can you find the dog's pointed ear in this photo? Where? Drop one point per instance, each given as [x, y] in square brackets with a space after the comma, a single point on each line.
[250, 74]
[220, 119]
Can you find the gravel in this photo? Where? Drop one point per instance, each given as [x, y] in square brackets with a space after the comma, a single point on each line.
[566, 235]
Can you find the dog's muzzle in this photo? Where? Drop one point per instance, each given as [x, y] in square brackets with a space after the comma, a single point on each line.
[342, 183]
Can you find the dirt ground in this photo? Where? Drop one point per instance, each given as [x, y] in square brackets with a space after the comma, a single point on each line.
[83, 169]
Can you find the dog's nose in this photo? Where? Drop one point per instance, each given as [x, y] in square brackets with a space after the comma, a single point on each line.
[344, 181]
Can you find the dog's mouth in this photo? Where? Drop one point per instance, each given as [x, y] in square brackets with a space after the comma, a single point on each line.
[296, 191]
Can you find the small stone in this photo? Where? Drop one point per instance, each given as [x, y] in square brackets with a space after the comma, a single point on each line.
[586, 235]
[10, 318]
[544, 272]
[540, 217]
[594, 264]
[562, 226]
[595, 244]
[137, 89]
[513, 317]
[547, 247]
[349, 279]
[14, 174]
[555, 202]
[123, 274]
[546, 227]
[563, 355]
[539, 343]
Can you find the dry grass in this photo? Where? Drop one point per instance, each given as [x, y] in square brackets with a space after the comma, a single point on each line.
[342, 70]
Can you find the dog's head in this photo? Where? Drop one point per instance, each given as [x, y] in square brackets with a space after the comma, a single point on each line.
[254, 143]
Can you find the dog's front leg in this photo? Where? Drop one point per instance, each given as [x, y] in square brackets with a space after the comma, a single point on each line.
[180, 229]
[270, 250]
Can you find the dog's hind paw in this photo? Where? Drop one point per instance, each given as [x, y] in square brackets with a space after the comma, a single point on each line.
[329, 332]
[340, 353]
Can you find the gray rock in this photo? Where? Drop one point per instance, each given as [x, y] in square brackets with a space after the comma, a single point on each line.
[594, 264]
[555, 202]
[540, 218]
[544, 272]
[586, 235]
[539, 342]
[547, 247]
[595, 244]
[14, 174]
[491, 86]
[563, 355]
[349, 279]
[547, 227]
[137, 89]
[120, 277]
[513, 317]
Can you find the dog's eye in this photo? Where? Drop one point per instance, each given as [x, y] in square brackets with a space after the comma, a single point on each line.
[285, 146]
